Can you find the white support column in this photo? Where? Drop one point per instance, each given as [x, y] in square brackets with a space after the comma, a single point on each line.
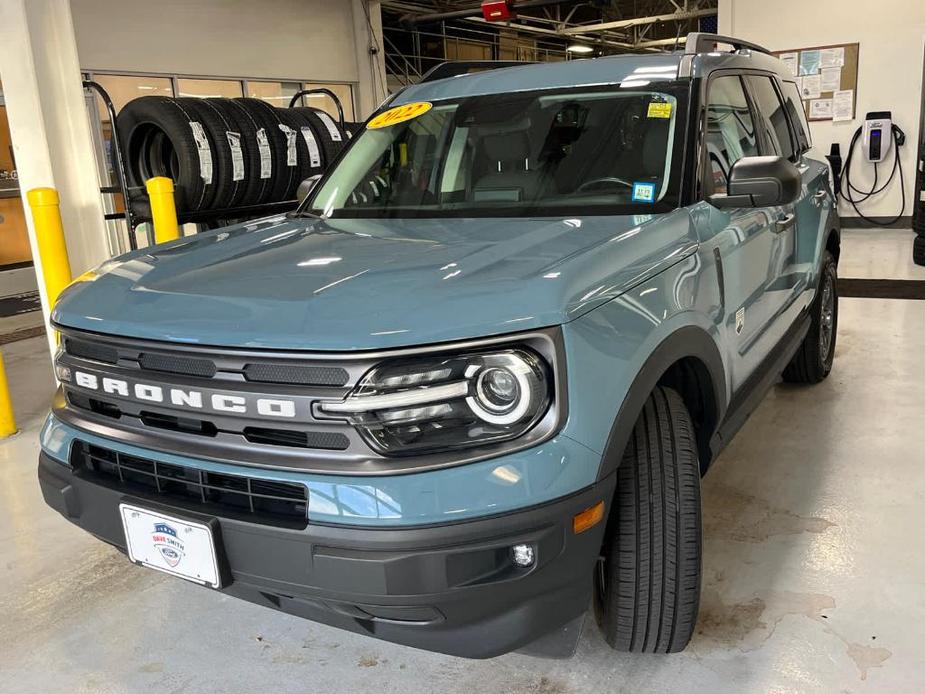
[367, 31]
[49, 126]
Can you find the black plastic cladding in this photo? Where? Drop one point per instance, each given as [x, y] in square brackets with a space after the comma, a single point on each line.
[225, 437]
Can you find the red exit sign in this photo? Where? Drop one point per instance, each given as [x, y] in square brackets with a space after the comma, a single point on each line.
[498, 10]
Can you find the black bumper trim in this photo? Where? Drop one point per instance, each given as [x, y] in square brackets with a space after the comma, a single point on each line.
[449, 588]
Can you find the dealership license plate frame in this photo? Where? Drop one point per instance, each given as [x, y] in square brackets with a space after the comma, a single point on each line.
[143, 551]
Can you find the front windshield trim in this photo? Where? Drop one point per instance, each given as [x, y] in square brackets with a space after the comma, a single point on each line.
[669, 194]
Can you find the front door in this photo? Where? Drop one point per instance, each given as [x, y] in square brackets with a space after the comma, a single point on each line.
[750, 243]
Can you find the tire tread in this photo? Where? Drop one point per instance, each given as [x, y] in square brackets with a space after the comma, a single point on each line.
[652, 590]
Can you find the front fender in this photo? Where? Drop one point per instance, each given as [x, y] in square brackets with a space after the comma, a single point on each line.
[617, 354]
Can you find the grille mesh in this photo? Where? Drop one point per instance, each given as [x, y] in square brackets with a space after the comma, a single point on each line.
[91, 350]
[295, 374]
[177, 365]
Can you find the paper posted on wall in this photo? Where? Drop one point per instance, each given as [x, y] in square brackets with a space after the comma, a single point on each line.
[811, 87]
[820, 109]
[791, 60]
[831, 79]
[843, 105]
[832, 57]
[809, 62]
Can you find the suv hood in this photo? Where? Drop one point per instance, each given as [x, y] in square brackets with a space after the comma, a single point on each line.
[352, 284]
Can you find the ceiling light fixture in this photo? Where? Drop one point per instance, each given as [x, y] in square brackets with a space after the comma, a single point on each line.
[579, 48]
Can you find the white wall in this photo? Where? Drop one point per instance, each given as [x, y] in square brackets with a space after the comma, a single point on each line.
[891, 34]
[295, 39]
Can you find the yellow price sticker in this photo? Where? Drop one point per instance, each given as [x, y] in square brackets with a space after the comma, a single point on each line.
[399, 114]
[659, 109]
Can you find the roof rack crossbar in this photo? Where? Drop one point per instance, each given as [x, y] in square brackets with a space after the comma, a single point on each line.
[463, 67]
[700, 42]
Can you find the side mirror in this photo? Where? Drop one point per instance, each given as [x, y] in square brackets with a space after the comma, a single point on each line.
[760, 182]
[306, 187]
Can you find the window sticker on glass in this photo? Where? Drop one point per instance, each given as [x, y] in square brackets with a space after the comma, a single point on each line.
[399, 114]
[643, 192]
[659, 109]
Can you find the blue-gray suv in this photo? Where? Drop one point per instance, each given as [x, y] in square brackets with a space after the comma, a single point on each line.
[469, 387]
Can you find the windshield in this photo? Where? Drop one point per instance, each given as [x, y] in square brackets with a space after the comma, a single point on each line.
[594, 150]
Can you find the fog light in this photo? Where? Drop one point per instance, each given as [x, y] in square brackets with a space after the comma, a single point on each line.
[63, 372]
[524, 555]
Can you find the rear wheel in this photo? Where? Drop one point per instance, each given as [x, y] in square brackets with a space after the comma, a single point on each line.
[648, 582]
[918, 250]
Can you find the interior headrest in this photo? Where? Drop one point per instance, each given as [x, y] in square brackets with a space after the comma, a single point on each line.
[507, 147]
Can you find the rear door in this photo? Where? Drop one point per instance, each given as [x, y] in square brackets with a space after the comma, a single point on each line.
[816, 198]
[783, 281]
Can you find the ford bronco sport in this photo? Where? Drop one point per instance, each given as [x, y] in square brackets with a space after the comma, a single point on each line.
[469, 388]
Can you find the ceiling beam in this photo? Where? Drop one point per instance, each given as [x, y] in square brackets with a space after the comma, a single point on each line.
[639, 21]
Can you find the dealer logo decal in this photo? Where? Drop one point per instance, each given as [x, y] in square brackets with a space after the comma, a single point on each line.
[167, 543]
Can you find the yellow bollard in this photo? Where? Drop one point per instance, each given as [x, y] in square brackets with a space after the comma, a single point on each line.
[49, 232]
[7, 420]
[163, 209]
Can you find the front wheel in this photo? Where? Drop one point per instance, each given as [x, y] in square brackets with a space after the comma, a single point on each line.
[813, 360]
[648, 583]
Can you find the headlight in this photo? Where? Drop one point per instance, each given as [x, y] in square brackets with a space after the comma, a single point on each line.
[441, 403]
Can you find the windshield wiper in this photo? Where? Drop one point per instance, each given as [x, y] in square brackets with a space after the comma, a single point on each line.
[302, 214]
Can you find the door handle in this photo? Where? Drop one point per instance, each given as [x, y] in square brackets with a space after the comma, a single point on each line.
[785, 222]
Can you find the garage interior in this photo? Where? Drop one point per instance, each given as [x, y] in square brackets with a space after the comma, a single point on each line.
[809, 583]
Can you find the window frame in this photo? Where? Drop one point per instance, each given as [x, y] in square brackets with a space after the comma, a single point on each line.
[794, 126]
[702, 185]
[768, 146]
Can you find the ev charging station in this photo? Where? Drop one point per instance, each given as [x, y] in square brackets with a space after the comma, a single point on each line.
[878, 136]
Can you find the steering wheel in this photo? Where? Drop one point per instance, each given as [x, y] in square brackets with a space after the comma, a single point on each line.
[605, 180]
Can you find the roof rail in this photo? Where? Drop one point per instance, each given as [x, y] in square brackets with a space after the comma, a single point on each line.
[699, 42]
[464, 67]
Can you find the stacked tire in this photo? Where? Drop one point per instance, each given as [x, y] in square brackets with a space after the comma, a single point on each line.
[224, 154]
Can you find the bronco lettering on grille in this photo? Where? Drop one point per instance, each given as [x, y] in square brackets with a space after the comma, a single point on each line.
[179, 397]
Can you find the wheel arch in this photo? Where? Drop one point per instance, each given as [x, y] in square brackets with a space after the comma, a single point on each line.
[688, 361]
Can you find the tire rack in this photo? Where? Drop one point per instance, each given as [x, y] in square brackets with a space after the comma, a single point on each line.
[209, 218]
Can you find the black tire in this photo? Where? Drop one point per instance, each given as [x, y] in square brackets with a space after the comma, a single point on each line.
[216, 125]
[329, 146]
[305, 167]
[813, 360]
[284, 177]
[648, 587]
[157, 140]
[918, 250]
[230, 191]
[258, 190]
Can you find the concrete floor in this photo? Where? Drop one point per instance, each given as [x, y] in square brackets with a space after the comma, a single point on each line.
[814, 575]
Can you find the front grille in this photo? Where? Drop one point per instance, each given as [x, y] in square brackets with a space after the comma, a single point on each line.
[248, 498]
[185, 366]
[324, 440]
[275, 372]
[295, 374]
[91, 350]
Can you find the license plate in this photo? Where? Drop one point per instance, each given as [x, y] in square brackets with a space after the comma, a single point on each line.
[171, 545]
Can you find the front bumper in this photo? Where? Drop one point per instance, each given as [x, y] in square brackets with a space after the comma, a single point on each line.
[450, 588]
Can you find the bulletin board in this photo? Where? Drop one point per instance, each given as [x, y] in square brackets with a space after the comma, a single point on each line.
[827, 77]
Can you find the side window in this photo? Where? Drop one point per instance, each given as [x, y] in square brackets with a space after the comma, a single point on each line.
[797, 115]
[771, 116]
[730, 132]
